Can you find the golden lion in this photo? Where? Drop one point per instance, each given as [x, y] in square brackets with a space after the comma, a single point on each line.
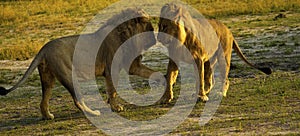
[54, 60]
[183, 28]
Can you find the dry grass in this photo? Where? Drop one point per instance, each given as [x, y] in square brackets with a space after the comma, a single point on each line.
[219, 8]
[27, 25]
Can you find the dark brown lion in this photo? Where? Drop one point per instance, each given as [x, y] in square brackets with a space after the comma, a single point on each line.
[54, 60]
[178, 23]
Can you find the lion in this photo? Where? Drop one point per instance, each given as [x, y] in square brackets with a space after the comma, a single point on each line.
[54, 60]
[179, 25]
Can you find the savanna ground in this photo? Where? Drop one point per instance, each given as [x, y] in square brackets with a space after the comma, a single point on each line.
[256, 104]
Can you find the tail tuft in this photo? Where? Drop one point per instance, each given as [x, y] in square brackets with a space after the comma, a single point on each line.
[3, 91]
[266, 70]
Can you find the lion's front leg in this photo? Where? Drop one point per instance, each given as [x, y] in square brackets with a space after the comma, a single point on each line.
[200, 84]
[137, 68]
[112, 94]
[172, 73]
[208, 77]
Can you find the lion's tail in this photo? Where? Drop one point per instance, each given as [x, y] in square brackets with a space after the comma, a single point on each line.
[236, 47]
[36, 61]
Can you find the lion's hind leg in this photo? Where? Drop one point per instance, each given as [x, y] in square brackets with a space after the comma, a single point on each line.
[66, 81]
[225, 67]
[47, 80]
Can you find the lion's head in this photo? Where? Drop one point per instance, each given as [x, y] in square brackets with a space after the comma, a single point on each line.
[128, 25]
[175, 22]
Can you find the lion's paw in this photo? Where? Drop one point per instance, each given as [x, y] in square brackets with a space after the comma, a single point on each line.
[48, 117]
[116, 108]
[94, 113]
[164, 100]
[204, 98]
[224, 94]
[97, 113]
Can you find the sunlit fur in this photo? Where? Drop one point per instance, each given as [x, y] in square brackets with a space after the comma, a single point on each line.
[183, 27]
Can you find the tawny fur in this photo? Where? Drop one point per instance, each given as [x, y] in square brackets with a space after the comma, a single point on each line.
[54, 60]
[177, 22]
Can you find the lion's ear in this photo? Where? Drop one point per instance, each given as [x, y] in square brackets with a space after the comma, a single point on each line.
[143, 16]
[179, 11]
[180, 22]
[143, 19]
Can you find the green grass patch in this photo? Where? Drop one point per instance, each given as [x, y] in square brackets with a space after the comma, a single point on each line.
[262, 104]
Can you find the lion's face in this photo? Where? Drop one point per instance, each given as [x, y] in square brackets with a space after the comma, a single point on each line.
[132, 26]
[138, 26]
[142, 39]
[173, 28]
[174, 31]
[139, 32]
